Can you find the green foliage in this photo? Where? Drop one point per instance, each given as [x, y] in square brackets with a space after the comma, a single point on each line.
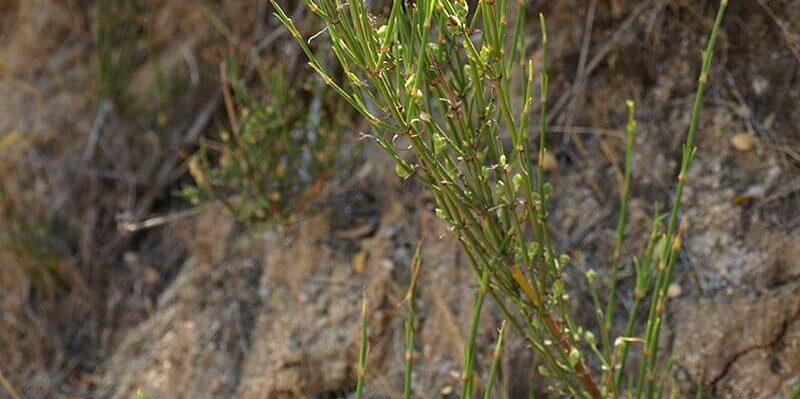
[32, 243]
[437, 78]
[115, 33]
[795, 392]
[281, 145]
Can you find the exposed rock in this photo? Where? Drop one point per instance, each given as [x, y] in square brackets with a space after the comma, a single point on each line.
[741, 345]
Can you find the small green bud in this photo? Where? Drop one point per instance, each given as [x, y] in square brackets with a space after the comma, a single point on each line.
[563, 260]
[558, 288]
[658, 250]
[517, 180]
[591, 276]
[503, 162]
[439, 144]
[548, 189]
[382, 31]
[486, 52]
[411, 83]
[402, 171]
[440, 214]
[590, 339]
[543, 371]
[574, 357]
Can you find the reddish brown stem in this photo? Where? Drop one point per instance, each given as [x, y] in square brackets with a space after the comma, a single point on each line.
[580, 368]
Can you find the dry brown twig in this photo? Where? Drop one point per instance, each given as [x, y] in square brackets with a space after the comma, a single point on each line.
[8, 387]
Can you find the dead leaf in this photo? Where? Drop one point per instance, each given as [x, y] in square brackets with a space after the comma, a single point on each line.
[549, 162]
[356, 232]
[416, 262]
[360, 262]
[9, 140]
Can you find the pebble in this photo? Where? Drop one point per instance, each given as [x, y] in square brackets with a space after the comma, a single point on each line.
[743, 142]
[760, 85]
[674, 290]
[549, 164]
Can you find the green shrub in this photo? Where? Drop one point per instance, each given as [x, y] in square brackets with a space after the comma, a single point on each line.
[116, 33]
[281, 145]
[437, 77]
[32, 242]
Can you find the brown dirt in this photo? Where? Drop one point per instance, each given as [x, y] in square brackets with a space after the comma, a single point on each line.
[206, 307]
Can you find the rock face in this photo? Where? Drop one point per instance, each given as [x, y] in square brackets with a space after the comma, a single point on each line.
[741, 345]
[746, 343]
[276, 314]
[193, 344]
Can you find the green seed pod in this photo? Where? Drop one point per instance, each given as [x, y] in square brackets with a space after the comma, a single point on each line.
[382, 32]
[589, 337]
[574, 357]
[658, 250]
[558, 288]
[411, 83]
[548, 189]
[439, 144]
[402, 170]
[591, 276]
[533, 247]
[486, 53]
[543, 371]
[468, 70]
[517, 180]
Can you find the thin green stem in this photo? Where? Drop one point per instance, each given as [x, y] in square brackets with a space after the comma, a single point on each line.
[411, 298]
[469, 351]
[673, 242]
[363, 348]
[496, 356]
[611, 301]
